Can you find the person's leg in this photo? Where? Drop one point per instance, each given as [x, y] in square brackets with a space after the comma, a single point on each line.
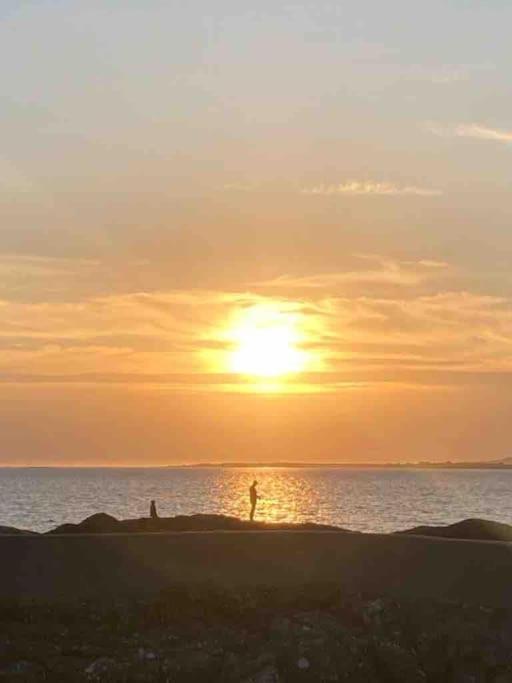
[253, 508]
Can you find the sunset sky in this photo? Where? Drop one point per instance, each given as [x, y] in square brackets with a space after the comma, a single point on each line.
[242, 230]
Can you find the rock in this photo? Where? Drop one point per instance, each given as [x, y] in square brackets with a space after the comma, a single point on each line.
[22, 670]
[470, 529]
[232, 667]
[196, 661]
[502, 678]
[318, 623]
[282, 627]
[146, 655]
[260, 670]
[376, 606]
[396, 664]
[373, 610]
[99, 523]
[269, 674]
[13, 531]
[100, 667]
[303, 664]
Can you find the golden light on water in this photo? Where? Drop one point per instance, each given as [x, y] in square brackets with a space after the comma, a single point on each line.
[267, 343]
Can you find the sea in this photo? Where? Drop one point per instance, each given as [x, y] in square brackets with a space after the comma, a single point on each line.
[361, 499]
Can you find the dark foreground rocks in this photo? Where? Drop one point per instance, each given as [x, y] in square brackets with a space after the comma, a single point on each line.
[103, 523]
[317, 633]
[13, 531]
[468, 529]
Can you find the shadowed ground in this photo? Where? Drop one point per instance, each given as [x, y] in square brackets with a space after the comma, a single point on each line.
[106, 600]
[72, 567]
[103, 523]
[469, 529]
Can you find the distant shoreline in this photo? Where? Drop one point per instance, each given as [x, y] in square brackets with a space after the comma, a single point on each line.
[493, 465]
[479, 465]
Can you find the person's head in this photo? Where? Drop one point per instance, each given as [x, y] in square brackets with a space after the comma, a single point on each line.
[152, 502]
[255, 483]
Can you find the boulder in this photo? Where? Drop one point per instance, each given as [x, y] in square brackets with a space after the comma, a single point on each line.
[102, 523]
[99, 523]
[469, 529]
[12, 531]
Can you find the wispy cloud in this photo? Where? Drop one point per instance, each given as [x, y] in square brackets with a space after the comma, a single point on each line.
[383, 272]
[448, 75]
[387, 316]
[476, 131]
[480, 132]
[240, 187]
[370, 187]
[44, 278]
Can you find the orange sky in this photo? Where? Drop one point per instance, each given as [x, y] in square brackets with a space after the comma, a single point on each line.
[268, 231]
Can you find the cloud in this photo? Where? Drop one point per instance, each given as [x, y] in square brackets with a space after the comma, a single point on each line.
[476, 131]
[387, 324]
[449, 329]
[480, 132]
[139, 332]
[369, 187]
[43, 265]
[429, 263]
[240, 187]
[33, 277]
[385, 272]
[448, 75]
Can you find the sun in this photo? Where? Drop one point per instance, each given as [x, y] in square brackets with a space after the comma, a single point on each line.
[266, 343]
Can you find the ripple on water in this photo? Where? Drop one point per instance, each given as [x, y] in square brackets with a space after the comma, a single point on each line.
[360, 499]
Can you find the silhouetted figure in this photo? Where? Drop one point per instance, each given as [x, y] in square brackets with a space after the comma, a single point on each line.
[253, 494]
[152, 510]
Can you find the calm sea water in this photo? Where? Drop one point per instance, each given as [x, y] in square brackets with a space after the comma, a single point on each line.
[359, 499]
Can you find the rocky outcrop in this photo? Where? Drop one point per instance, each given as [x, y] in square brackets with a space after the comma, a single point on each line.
[13, 531]
[102, 523]
[311, 635]
[468, 529]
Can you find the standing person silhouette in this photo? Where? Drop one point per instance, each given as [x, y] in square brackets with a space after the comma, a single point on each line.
[152, 510]
[253, 494]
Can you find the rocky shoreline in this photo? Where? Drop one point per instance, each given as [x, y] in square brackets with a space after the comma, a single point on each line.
[216, 599]
[102, 523]
[315, 633]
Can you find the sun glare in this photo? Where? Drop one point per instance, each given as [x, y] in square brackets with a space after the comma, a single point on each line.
[267, 343]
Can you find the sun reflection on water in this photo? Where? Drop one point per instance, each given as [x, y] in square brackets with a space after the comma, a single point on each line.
[284, 497]
[361, 499]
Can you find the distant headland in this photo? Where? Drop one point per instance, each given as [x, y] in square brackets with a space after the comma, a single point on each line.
[501, 464]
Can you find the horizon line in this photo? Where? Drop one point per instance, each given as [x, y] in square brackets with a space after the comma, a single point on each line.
[505, 462]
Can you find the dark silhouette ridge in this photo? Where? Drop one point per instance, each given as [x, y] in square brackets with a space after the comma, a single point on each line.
[468, 529]
[99, 523]
[103, 523]
[502, 463]
[12, 531]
